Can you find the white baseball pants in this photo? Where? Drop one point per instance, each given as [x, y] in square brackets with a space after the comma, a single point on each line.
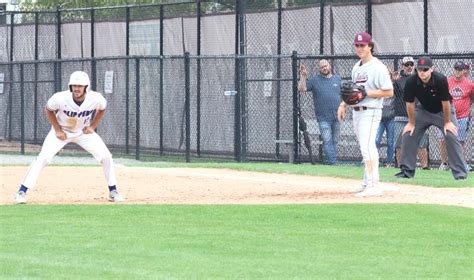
[365, 124]
[52, 145]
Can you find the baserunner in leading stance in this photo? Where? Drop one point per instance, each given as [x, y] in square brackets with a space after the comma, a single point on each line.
[70, 114]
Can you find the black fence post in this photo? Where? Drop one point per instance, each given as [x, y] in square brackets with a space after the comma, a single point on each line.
[10, 70]
[237, 84]
[369, 16]
[237, 118]
[198, 81]
[127, 81]
[278, 88]
[127, 31]
[187, 105]
[294, 70]
[57, 69]
[35, 96]
[22, 108]
[58, 33]
[127, 106]
[243, 92]
[425, 25]
[137, 108]
[321, 27]
[94, 62]
[162, 11]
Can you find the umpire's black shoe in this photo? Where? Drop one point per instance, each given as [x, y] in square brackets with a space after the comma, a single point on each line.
[402, 174]
[461, 178]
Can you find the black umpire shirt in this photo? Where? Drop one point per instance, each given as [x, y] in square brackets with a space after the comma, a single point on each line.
[431, 94]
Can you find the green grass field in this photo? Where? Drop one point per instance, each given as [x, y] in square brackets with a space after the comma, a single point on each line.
[202, 242]
[429, 178]
[337, 241]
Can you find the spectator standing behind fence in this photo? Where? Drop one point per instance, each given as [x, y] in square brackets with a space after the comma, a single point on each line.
[462, 91]
[401, 117]
[431, 90]
[387, 125]
[70, 114]
[325, 88]
[371, 73]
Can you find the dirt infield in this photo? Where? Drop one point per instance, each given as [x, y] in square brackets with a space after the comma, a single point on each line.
[141, 185]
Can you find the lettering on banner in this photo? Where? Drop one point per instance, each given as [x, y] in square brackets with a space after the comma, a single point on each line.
[109, 82]
[447, 43]
[267, 85]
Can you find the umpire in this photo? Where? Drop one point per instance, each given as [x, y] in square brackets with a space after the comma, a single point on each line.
[434, 108]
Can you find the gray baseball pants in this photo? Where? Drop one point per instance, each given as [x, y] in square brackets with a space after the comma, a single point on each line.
[423, 121]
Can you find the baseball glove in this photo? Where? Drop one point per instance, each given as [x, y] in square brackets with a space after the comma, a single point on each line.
[352, 93]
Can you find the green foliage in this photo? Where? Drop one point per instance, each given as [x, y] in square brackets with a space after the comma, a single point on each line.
[116, 11]
[239, 241]
[30, 5]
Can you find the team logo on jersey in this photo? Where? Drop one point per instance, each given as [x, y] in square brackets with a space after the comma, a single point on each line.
[456, 93]
[82, 114]
[361, 78]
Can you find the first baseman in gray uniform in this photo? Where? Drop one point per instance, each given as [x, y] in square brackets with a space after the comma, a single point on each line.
[435, 108]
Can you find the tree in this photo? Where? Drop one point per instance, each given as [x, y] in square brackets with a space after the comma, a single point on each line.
[31, 5]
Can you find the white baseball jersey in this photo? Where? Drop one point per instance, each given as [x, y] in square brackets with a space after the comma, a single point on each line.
[71, 117]
[372, 75]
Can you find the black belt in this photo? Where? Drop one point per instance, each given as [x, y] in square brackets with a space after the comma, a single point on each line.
[359, 108]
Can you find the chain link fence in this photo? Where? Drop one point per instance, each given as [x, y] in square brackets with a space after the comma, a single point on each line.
[234, 95]
[236, 107]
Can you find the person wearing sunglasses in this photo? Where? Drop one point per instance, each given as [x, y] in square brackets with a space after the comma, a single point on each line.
[462, 91]
[371, 73]
[431, 89]
[401, 117]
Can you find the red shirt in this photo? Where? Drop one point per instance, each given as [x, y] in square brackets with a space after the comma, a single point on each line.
[462, 91]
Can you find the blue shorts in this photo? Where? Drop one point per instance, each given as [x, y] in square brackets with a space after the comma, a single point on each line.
[463, 129]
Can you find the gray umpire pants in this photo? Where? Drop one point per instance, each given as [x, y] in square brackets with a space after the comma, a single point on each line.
[423, 120]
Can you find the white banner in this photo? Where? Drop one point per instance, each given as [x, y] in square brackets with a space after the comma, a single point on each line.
[109, 82]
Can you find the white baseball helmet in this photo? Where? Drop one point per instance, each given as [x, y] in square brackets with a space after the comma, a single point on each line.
[79, 78]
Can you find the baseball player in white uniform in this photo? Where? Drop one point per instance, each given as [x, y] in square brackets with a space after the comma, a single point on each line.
[70, 114]
[370, 72]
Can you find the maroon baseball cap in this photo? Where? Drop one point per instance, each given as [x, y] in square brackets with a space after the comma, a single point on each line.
[363, 38]
[424, 62]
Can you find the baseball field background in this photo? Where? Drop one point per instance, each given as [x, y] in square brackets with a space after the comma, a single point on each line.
[232, 220]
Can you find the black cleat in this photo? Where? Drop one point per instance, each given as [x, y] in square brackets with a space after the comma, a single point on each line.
[402, 174]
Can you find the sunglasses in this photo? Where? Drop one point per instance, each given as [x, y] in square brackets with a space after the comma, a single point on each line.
[422, 69]
[408, 64]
